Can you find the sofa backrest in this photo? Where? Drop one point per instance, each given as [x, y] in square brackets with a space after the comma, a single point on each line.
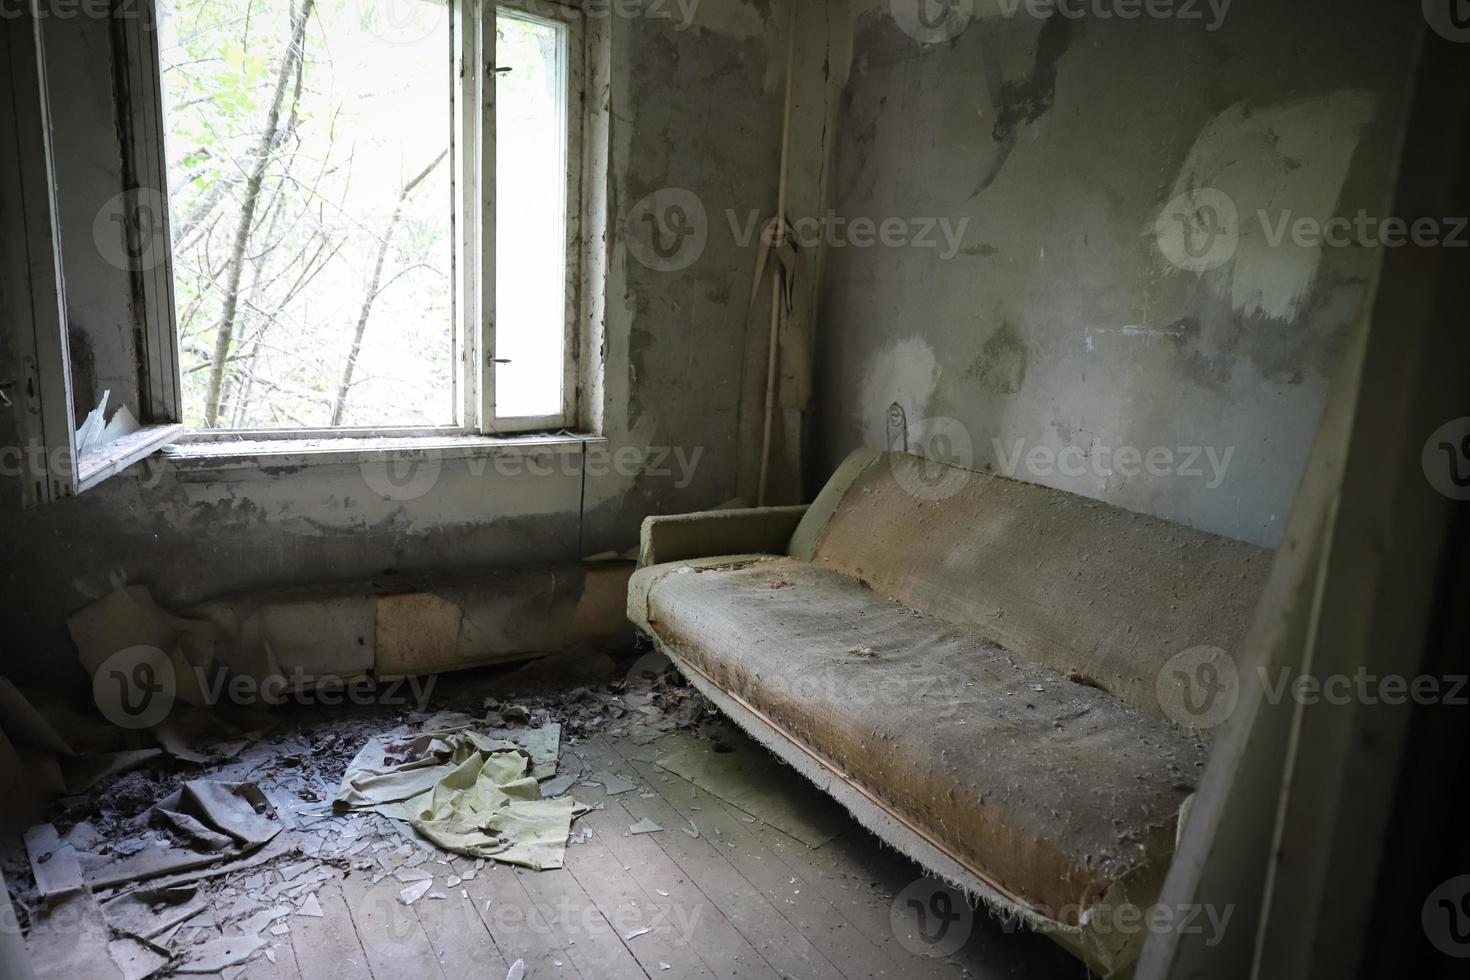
[1056, 578]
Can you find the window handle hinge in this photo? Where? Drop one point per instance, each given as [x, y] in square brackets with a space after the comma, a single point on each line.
[499, 360]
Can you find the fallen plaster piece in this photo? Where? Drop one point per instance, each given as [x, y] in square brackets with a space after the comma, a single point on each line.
[415, 891]
[148, 913]
[692, 830]
[644, 826]
[517, 971]
[635, 933]
[69, 940]
[134, 958]
[410, 875]
[217, 954]
[310, 908]
[613, 784]
[280, 929]
[54, 863]
[558, 785]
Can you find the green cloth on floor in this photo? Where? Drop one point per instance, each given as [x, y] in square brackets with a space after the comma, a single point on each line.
[468, 793]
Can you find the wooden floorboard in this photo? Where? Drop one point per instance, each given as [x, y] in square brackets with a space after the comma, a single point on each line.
[328, 948]
[390, 932]
[702, 921]
[519, 927]
[762, 925]
[784, 884]
[461, 943]
[665, 949]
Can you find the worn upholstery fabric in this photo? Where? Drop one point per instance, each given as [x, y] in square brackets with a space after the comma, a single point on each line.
[1052, 791]
[1051, 576]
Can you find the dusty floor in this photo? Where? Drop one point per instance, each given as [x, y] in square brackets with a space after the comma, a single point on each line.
[716, 891]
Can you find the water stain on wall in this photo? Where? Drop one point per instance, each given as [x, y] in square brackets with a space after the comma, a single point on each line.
[1001, 365]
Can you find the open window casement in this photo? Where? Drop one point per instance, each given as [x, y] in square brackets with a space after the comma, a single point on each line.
[95, 363]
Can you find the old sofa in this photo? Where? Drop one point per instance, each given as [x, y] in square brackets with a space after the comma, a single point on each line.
[905, 642]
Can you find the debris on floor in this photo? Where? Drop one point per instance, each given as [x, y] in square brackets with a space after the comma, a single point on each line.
[199, 844]
[467, 791]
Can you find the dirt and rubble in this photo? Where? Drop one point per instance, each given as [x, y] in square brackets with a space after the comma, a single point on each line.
[191, 909]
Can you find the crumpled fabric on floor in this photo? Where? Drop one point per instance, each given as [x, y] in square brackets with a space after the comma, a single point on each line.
[466, 792]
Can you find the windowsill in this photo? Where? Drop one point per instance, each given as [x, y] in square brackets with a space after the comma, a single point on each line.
[227, 454]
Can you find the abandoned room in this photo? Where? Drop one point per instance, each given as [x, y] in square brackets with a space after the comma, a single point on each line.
[760, 489]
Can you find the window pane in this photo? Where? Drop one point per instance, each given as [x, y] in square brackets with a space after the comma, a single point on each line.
[309, 187]
[530, 216]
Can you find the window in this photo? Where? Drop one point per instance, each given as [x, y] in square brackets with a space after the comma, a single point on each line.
[296, 231]
[343, 260]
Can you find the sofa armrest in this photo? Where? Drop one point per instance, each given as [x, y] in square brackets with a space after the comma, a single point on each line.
[711, 533]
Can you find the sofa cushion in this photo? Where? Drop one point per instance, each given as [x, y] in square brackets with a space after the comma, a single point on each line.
[1049, 790]
[1051, 576]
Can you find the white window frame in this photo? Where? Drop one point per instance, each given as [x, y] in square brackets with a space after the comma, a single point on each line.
[472, 45]
[34, 293]
[35, 288]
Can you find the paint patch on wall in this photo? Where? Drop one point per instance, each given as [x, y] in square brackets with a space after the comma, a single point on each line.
[905, 373]
[1252, 174]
